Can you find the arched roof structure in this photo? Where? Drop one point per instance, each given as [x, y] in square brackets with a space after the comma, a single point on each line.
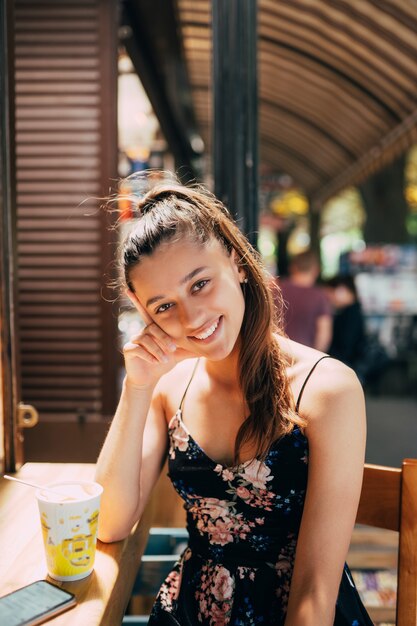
[337, 85]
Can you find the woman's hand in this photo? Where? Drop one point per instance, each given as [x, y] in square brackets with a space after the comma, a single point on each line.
[150, 354]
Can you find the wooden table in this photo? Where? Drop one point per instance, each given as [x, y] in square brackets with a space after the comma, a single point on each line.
[102, 597]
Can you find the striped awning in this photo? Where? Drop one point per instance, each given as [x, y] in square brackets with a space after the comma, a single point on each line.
[337, 85]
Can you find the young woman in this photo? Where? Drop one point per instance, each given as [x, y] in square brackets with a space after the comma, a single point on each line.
[265, 437]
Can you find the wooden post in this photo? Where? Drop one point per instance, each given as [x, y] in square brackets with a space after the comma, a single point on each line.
[10, 385]
[235, 87]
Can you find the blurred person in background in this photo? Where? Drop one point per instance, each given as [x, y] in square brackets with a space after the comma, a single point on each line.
[349, 338]
[350, 342]
[307, 313]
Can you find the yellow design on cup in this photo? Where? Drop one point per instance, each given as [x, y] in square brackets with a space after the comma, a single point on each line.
[70, 547]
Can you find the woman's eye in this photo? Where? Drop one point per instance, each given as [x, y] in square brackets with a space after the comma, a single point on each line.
[194, 289]
[198, 286]
[163, 308]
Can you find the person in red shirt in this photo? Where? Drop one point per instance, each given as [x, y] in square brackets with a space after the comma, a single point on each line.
[306, 311]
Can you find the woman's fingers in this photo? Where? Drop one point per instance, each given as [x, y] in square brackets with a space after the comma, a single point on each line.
[138, 351]
[153, 347]
[151, 327]
[138, 306]
[163, 340]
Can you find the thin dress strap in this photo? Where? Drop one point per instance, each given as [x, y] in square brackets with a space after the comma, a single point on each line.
[297, 406]
[189, 383]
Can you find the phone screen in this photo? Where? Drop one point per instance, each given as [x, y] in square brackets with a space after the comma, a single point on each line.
[30, 604]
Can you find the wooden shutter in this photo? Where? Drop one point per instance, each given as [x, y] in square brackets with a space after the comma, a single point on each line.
[66, 156]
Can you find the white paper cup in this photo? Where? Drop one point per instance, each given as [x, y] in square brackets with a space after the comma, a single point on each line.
[69, 527]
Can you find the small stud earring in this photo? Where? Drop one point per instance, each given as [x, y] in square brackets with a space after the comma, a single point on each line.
[245, 280]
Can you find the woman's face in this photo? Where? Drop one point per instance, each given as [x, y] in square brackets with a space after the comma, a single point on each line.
[193, 292]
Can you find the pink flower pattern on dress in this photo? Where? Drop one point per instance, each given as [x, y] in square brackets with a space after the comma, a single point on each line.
[249, 482]
[219, 520]
[215, 595]
[283, 568]
[169, 591]
[170, 588]
[256, 473]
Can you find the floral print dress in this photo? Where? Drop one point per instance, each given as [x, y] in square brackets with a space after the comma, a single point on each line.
[243, 524]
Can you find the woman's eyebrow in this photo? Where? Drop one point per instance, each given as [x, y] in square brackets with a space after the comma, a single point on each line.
[182, 281]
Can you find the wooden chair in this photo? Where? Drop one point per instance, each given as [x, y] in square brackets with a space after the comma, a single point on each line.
[389, 500]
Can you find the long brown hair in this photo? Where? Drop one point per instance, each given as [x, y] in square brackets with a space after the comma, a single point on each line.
[168, 212]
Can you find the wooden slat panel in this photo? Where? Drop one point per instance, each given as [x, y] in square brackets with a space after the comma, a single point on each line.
[39, 50]
[59, 369]
[41, 393]
[27, 298]
[56, 149]
[58, 250]
[63, 94]
[64, 381]
[73, 309]
[57, 334]
[60, 100]
[26, 62]
[52, 37]
[63, 261]
[65, 273]
[60, 138]
[57, 161]
[62, 223]
[74, 286]
[55, 124]
[70, 405]
[55, 87]
[66, 345]
[49, 359]
[56, 25]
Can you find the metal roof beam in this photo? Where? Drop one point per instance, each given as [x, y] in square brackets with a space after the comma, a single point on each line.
[395, 143]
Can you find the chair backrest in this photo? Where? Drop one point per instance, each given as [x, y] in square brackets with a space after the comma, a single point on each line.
[389, 500]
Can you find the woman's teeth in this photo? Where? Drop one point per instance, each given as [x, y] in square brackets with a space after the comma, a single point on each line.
[208, 332]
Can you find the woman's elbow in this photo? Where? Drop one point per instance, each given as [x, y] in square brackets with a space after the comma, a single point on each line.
[111, 536]
[113, 526]
[110, 533]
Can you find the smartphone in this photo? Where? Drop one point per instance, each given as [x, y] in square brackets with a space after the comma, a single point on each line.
[34, 604]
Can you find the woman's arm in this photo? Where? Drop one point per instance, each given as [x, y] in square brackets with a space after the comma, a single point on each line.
[333, 404]
[136, 445]
[130, 461]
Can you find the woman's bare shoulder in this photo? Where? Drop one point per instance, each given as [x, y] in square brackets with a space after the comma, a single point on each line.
[331, 383]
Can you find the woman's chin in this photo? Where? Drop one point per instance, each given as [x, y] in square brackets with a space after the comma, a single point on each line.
[222, 352]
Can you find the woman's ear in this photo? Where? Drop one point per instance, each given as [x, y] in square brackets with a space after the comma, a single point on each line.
[237, 266]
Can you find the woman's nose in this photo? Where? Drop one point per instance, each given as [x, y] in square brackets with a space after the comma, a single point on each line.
[192, 317]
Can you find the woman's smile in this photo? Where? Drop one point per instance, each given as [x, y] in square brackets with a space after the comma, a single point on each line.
[209, 334]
